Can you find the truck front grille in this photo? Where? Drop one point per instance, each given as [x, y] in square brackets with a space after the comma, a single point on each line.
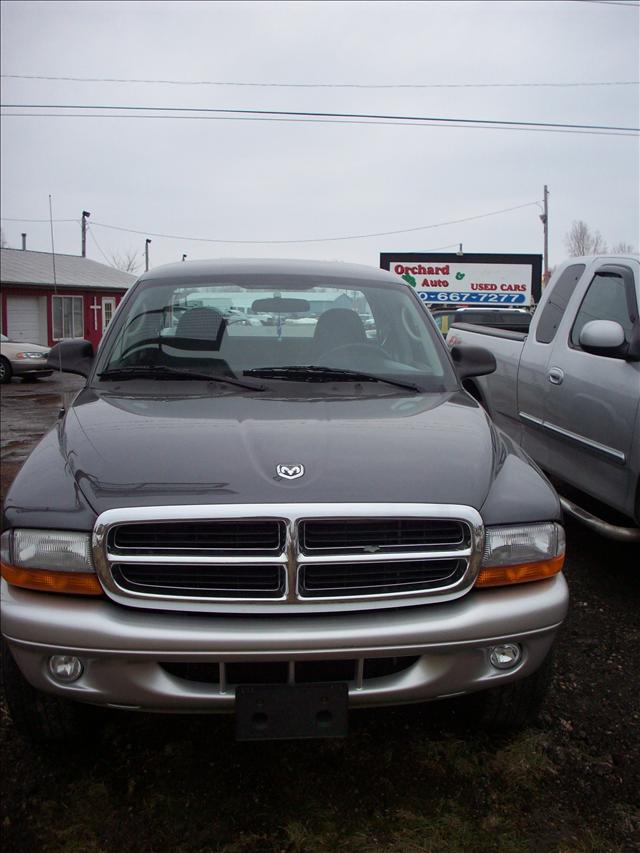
[236, 581]
[348, 579]
[199, 537]
[366, 536]
[232, 674]
[309, 556]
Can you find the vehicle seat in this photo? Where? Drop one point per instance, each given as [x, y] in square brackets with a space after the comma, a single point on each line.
[197, 341]
[338, 327]
[205, 326]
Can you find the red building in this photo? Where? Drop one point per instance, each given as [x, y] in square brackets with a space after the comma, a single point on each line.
[41, 307]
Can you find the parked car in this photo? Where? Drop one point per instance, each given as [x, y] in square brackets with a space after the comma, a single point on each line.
[569, 391]
[240, 318]
[17, 358]
[301, 321]
[278, 528]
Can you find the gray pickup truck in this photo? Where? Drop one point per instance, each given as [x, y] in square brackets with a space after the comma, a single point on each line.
[279, 521]
[568, 392]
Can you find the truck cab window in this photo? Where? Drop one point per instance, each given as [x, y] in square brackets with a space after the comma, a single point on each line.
[606, 299]
[554, 309]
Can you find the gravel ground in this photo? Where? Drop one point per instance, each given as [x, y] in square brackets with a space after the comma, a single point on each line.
[407, 779]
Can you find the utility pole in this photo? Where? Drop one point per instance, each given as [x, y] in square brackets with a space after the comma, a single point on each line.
[85, 216]
[544, 218]
[146, 254]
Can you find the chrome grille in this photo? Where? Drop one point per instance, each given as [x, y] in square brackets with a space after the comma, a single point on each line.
[202, 537]
[312, 557]
[368, 535]
[238, 581]
[349, 579]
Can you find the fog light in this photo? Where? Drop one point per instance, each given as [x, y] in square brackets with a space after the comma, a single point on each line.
[505, 656]
[65, 668]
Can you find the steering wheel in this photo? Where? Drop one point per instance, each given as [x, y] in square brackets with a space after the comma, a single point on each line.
[409, 324]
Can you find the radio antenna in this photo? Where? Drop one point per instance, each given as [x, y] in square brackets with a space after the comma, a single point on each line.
[55, 283]
[53, 248]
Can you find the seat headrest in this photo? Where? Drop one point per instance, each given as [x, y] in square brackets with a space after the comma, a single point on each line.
[202, 324]
[338, 327]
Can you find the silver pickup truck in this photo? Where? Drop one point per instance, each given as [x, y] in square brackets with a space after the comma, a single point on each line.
[569, 391]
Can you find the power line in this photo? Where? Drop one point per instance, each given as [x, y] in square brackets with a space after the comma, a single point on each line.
[7, 219]
[317, 239]
[93, 237]
[317, 121]
[610, 3]
[254, 84]
[324, 115]
[310, 240]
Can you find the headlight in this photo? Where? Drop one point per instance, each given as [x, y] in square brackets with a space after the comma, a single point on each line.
[51, 560]
[31, 355]
[520, 553]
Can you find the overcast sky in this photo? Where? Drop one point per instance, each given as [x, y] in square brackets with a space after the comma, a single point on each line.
[265, 180]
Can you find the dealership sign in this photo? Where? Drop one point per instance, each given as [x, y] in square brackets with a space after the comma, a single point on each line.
[469, 279]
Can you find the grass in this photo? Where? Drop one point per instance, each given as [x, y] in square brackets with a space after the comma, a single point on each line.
[182, 784]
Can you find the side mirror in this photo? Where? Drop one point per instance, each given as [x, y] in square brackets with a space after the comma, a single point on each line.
[603, 337]
[72, 356]
[472, 361]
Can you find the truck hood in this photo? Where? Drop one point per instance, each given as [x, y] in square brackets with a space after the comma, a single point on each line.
[145, 451]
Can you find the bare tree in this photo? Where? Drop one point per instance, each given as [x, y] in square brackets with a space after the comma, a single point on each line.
[582, 241]
[624, 249]
[127, 261]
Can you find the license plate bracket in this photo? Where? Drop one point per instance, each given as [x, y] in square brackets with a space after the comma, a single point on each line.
[291, 711]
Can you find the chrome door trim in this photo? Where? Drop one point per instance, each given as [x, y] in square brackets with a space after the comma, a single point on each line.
[611, 452]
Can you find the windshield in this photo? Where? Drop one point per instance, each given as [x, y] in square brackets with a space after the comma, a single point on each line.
[274, 327]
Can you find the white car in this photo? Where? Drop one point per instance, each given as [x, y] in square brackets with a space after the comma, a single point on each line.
[301, 321]
[18, 358]
[233, 316]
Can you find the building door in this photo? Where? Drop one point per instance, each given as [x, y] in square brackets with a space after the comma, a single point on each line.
[108, 310]
[24, 319]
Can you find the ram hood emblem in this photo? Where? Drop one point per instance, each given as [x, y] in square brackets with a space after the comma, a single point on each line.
[290, 472]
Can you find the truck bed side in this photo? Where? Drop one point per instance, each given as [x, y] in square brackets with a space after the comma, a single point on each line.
[497, 391]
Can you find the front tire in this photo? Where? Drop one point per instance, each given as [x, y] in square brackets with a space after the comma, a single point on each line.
[5, 371]
[37, 716]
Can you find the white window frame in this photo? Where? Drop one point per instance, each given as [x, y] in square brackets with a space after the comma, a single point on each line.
[108, 300]
[53, 328]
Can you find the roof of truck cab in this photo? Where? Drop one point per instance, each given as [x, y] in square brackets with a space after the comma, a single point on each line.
[604, 256]
[269, 266]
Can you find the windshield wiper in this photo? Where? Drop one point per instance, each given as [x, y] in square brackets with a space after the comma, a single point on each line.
[159, 372]
[318, 373]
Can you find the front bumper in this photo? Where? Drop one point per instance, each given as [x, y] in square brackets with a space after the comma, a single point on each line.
[31, 367]
[122, 648]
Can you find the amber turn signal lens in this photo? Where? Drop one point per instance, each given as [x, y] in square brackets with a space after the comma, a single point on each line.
[505, 575]
[69, 583]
